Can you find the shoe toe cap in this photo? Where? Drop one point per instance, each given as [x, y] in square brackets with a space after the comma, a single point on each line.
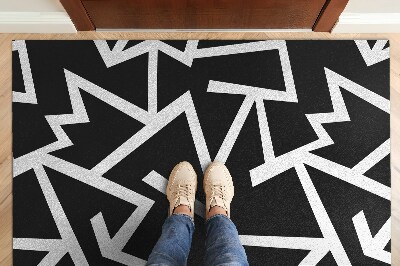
[185, 169]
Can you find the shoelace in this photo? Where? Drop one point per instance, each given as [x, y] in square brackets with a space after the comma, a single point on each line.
[218, 191]
[183, 190]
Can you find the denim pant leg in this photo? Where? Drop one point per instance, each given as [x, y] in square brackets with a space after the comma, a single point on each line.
[223, 246]
[173, 246]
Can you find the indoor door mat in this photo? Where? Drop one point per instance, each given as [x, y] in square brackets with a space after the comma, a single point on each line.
[303, 126]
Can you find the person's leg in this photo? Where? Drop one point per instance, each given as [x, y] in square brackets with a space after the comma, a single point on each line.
[173, 246]
[223, 246]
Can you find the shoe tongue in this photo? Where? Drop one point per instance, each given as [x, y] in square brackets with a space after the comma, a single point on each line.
[182, 201]
[217, 201]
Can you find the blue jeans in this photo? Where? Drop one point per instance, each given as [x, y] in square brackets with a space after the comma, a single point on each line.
[222, 243]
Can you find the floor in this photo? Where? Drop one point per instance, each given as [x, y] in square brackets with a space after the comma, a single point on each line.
[5, 112]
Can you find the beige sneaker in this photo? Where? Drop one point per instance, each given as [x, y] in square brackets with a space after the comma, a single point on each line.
[181, 188]
[218, 186]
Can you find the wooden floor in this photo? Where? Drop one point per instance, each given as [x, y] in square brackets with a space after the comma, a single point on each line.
[5, 112]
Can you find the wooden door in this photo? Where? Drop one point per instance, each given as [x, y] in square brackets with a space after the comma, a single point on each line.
[319, 15]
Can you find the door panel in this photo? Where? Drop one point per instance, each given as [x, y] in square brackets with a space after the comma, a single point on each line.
[204, 14]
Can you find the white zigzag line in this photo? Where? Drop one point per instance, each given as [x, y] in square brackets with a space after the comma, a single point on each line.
[279, 164]
[340, 113]
[354, 176]
[37, 158]
[78, 115]
[110, 247]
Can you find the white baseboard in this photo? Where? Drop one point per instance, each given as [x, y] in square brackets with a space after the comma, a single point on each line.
[368, 23]
[36, 22]
[60, 22]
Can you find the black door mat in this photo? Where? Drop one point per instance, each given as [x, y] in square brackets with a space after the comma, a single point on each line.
[303, 127]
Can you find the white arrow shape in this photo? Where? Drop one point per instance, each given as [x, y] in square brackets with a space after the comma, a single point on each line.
[322, 217]
[56, 248]
[376, 54]
[69, 241]
[117, 54]
[253, 94]
[111, 248]
[318, 247]
[373, 246]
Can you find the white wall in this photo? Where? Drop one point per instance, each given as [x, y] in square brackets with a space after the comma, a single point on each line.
[31, 6]
[34, 16]
[372, 6]
[369, 16]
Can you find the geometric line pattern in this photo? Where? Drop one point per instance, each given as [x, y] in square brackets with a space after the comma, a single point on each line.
[375, 55]
[154, 119]
[29, 96]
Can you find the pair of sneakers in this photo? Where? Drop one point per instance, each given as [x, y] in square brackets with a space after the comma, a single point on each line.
[217, 183]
